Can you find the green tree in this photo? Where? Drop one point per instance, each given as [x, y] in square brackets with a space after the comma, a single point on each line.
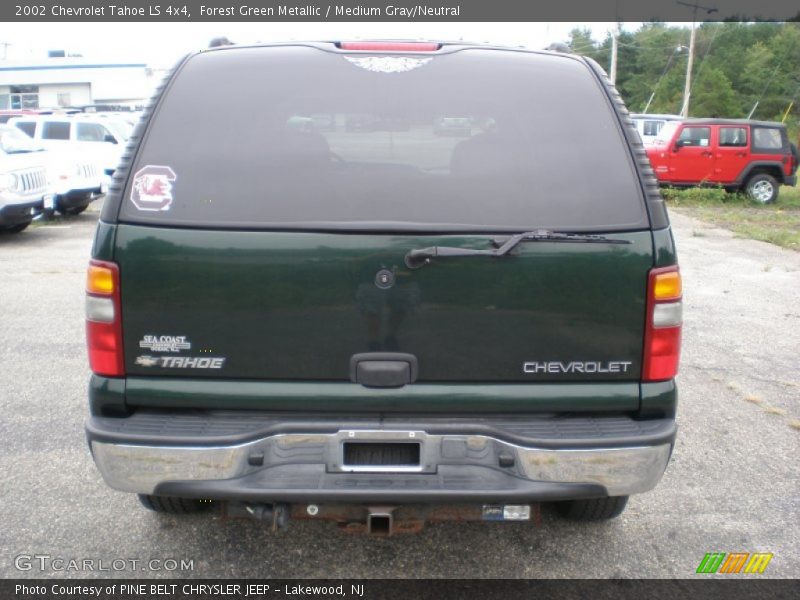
[785, 45]
[713, 96]
[760, 69]
[736, 64]
[581, 42]
[656, 58]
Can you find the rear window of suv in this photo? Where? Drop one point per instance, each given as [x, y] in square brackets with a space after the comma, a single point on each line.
[55, 130]
[767, 138]
[295, 136]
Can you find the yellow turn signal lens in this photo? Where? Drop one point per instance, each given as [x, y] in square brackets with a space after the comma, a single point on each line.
[99, 280]
[667, 286]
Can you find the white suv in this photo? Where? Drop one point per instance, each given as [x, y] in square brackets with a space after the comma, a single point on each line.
[97, 139]
[23, 180]
[649, 126]
[74, 181]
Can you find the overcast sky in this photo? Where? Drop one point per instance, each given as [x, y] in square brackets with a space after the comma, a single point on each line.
[161, 44]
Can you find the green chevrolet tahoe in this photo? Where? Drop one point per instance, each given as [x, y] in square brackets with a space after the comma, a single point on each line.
[383, 326]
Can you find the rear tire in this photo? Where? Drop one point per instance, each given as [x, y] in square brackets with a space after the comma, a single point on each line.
[762, 188]
[173, 506]
[592, 509]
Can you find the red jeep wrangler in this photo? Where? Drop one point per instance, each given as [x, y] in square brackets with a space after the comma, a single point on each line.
[738, 154]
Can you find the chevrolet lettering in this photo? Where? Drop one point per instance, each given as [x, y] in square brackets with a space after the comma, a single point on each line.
[377, 293]
[577, 367]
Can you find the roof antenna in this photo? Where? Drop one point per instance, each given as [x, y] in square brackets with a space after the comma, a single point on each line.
[220, 41]
[559, 47]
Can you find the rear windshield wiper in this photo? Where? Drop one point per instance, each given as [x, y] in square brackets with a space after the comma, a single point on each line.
[422, 256]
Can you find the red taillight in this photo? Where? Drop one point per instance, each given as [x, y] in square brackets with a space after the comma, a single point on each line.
[390, 46]
[662, 338]
[103, 319]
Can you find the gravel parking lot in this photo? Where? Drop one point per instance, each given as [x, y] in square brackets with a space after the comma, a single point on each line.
[733, 484]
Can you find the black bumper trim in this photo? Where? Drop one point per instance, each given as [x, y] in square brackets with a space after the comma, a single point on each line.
[77, 198]
[221, 428]
[16, 214]
[310, 483]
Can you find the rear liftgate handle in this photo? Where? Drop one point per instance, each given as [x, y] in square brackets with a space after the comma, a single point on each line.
[383, 369]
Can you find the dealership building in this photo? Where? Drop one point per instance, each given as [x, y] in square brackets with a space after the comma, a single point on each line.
[74, 81]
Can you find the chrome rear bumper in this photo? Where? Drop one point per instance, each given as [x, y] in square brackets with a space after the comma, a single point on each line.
[306, 466]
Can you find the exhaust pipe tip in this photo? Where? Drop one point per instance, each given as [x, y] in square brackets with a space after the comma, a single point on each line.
[276, 514]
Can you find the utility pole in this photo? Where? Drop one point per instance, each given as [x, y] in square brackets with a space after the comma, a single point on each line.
[614, 44]
[687, 88]
[688, 84]
[612, 75]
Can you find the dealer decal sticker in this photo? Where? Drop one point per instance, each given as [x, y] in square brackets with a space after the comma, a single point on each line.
[152, 188]
[165, 343]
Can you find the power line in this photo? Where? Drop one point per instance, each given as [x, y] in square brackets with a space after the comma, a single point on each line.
[764, 91]
[663, 73]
